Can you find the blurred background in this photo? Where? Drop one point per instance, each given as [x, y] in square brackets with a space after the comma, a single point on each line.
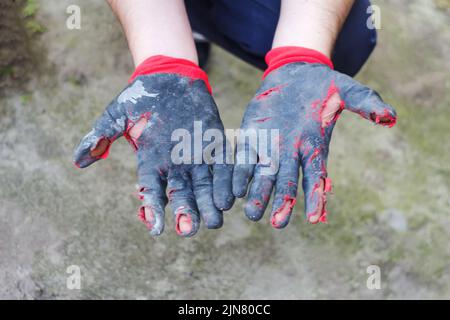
[390, 207]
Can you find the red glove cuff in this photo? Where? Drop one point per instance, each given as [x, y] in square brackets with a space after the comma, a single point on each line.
[164, 64]
[280, 56]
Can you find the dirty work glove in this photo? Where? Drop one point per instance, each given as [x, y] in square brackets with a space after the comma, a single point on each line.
[301, 96]
[166, 94]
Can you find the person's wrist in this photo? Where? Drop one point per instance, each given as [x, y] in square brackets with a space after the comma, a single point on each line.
[280, 56]
[164, 64]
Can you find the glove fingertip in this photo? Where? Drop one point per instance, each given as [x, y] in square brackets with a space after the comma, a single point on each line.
[214, 221]
[91, 149]
[81, 161]
[223, 199]
[254, 210]
[153, 219]
[282, 211]
[239, 191]
[186, 222]
[387, 118]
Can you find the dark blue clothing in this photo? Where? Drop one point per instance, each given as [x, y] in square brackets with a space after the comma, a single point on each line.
[246, 29]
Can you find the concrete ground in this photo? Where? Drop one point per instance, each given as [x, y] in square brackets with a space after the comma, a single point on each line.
[390, 208]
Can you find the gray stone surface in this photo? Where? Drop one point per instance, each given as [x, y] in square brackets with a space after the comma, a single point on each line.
[390, 205]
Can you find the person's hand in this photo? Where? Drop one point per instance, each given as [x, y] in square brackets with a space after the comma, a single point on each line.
[166, 94]
[302, 97]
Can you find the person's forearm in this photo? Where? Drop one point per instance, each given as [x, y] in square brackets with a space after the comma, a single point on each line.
[156, 27]
[311, 24]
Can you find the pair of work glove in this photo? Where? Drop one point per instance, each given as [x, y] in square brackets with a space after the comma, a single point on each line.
[301, 97]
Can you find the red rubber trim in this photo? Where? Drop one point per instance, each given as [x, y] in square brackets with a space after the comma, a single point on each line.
[281, 56]
[164, 64]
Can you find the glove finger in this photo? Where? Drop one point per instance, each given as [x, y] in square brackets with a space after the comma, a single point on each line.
[259, 194]
[241, 177]
[366, 102]
[95, 145]
[202, 182]
[219, 155]
[285, 193]
[182, 202]
[222, 186]
[316, 185]
[153, 196]
[246, 158]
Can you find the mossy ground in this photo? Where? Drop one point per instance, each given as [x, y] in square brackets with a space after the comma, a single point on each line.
[390, 205]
